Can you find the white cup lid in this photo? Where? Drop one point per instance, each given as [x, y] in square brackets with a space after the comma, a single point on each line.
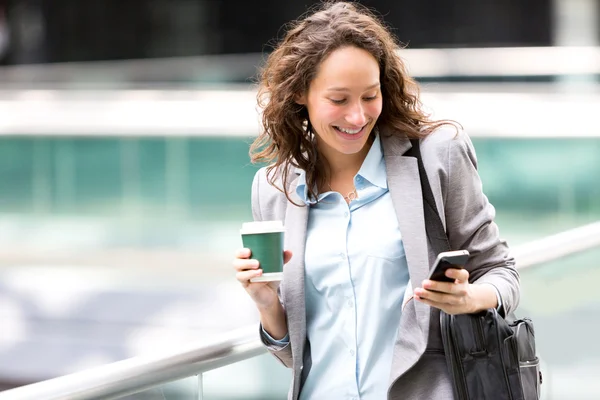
[262, 227]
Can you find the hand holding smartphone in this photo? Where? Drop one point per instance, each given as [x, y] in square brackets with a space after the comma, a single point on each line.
[446, 260]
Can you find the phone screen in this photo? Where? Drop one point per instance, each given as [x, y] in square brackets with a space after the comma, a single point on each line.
[438, 273]
[446, 260]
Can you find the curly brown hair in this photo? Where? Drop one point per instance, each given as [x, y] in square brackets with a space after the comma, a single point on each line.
[287, 139]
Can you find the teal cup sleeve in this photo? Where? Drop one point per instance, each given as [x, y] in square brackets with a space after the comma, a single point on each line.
[267, 248]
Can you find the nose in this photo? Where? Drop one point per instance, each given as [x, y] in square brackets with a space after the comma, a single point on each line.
[356, 115]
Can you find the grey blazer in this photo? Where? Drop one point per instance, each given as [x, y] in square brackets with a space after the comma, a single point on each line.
[418, 367]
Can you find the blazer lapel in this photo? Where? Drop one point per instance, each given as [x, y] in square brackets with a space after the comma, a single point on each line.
[405, 188]
[296, 220]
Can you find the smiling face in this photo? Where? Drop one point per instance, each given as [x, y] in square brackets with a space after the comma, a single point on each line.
[344, 102]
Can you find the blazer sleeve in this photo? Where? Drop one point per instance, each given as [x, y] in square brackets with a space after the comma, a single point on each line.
[470, 224]
[256, 213]
[261, 188]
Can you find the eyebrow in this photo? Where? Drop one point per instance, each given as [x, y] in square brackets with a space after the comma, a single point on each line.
[342, 89]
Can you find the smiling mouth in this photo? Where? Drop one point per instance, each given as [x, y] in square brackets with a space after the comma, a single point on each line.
[350, 131]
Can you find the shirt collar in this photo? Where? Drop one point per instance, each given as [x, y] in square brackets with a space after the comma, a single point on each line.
[372, 170]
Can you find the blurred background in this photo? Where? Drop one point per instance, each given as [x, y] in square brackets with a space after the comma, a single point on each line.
[125, 176]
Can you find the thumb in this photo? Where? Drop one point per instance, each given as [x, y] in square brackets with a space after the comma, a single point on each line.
[287, 256]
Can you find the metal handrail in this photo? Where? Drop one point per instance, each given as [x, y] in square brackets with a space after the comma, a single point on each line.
[137, 374]
[557, 246]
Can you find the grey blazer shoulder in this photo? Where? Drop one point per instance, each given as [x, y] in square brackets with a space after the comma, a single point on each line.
[418, 370]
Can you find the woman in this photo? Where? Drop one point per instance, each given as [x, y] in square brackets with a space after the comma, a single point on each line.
[355, 316]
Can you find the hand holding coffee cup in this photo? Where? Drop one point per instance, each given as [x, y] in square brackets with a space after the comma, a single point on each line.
[248, 268]
[265, 241]
[264, 294]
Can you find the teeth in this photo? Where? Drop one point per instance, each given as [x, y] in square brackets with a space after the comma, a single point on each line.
[351, 132]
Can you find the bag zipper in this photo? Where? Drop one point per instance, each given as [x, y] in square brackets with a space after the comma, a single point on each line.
[478, 330]
[435, 351]
[502, 358]
[528, 364]
[453, 358]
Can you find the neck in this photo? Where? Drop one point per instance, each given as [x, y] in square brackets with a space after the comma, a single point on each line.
[341, 165]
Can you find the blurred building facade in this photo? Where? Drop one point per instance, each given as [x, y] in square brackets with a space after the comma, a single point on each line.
[72, 30]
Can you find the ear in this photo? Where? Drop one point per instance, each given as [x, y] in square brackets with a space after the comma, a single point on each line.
[300, 99]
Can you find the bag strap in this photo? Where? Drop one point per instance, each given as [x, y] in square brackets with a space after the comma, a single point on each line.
[438, 240]
[436, 234]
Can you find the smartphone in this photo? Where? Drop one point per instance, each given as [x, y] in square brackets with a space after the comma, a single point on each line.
[446, 260]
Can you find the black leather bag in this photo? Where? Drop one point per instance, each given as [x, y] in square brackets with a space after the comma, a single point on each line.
[488, 356]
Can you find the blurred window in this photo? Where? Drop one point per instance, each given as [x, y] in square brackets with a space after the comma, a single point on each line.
[74, 30]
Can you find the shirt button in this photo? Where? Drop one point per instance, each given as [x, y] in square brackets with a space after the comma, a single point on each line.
[350, 303]
[358, 179]
[346, 214]
[351, 352]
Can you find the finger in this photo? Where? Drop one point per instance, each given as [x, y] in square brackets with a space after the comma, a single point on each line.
[461, 275]
[442, 298]
[245, 276]
[442, 287]
[242, 264]
[457, 289]
[287, 256]
[243, 253]
[441, 306]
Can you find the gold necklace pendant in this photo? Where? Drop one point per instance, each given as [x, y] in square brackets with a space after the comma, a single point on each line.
[351, 196]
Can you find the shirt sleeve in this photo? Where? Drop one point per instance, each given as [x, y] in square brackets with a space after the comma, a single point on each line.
[498, 297]
[499, 308]
[274, 342]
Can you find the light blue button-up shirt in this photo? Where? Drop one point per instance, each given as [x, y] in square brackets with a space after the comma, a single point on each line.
[355, 277]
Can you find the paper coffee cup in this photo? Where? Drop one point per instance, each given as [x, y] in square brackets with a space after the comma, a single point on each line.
[265, 241]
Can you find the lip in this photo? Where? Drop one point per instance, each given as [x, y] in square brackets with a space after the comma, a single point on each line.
[355, 136]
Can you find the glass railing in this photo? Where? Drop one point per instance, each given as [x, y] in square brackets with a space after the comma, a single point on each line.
[558, 274]
[162, 196]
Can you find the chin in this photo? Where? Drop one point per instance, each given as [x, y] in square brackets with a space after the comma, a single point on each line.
[352, 145]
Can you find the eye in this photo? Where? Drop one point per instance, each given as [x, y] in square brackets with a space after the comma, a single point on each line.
[370, 98]
[336, 101]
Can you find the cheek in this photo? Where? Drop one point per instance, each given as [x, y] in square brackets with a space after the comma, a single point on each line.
[374, 108]
[325, 114]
